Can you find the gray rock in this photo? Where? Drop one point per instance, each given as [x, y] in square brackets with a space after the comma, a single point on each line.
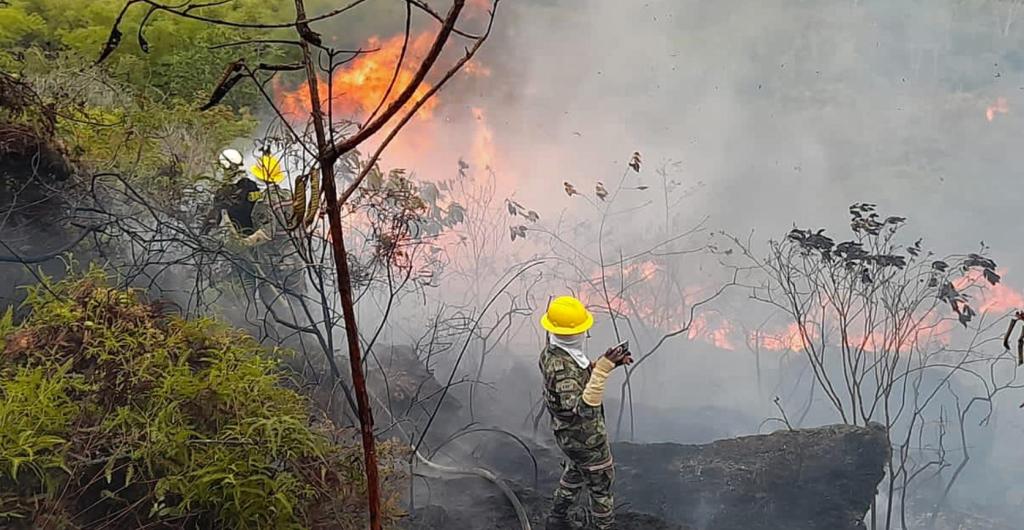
[807, 479]
[810, 479]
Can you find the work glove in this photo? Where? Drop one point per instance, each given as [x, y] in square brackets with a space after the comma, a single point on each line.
[593, 394]
[619, 356]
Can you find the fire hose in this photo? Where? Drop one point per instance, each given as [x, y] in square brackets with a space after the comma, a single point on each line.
[517, 505]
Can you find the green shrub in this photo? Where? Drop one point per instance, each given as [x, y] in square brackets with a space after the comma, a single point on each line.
[115, 415]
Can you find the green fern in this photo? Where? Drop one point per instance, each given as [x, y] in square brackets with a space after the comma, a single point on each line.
[112, 415]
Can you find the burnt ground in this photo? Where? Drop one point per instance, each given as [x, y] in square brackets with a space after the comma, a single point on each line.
[474, 503]
[808, 479]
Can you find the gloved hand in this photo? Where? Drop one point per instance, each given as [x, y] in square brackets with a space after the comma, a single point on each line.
[257, 238]
[225, 220]
[228, 234]
[619, 356]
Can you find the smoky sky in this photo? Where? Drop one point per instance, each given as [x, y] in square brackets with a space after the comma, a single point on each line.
[787, 111]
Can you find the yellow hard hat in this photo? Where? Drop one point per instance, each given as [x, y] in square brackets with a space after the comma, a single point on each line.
[268, 169]
[566, 316]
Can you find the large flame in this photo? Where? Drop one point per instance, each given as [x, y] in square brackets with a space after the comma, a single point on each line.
[356, 89]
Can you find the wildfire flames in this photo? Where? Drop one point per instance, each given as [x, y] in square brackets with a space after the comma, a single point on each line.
[355, 90]
[646, 301]
[354, 93]
[1001, 106]
[358, 87]
[789, 339]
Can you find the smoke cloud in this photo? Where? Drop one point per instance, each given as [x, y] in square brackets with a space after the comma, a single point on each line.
[773, 113]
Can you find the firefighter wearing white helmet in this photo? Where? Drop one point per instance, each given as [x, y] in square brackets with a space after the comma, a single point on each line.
[252, 222]
[231, 159]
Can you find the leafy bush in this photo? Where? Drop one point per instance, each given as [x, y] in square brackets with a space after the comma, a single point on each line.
[116, 415]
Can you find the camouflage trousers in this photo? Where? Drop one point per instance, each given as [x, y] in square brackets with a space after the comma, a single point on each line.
[589, 470]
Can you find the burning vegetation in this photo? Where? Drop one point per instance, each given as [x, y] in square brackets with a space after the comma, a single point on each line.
[415, 255]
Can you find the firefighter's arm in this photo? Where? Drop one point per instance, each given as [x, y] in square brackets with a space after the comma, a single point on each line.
[258, 237]
[263, 217]
[593, 394]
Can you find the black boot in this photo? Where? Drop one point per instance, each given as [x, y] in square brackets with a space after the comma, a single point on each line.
[555, 522]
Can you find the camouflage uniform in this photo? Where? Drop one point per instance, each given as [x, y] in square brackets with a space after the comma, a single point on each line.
[581, 435]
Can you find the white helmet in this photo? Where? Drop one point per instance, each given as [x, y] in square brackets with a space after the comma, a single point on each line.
[230, 159]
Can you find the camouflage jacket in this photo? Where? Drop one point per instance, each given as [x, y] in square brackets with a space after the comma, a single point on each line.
[579, 428]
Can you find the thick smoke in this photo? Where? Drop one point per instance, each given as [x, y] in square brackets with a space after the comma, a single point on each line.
[787, 112]
[773, 113]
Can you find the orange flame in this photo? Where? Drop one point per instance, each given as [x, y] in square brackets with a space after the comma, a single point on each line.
[992, 299]
[788, 339]
[719, 335]
[936, 327]
[355, 91]
[358, 87]
[1001, 106]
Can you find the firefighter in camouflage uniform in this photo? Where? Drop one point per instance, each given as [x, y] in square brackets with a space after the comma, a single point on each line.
[573, 392]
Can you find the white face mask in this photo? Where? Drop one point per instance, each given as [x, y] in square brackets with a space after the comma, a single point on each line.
[575, 345]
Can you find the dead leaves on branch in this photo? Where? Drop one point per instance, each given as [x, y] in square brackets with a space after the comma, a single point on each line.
[634, 162]
[517, 231]
[232, 74]
[872, 256]
[600, 191]
[305, 214]
[514, 209]
[518, 210]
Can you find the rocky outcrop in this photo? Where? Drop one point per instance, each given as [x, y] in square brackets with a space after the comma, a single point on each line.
[809, 479]
[806, 479]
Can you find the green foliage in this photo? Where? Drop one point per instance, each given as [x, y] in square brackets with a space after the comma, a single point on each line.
[114, 415]
[34, 415]
[180, 63]
[137, 112]
[16, 26]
